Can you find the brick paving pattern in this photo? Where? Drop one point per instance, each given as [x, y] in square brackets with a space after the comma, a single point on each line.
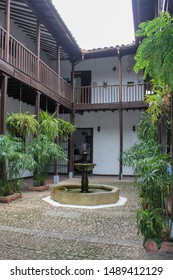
[32, 229]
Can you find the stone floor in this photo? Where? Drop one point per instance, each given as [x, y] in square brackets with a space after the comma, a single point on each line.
[32, 229]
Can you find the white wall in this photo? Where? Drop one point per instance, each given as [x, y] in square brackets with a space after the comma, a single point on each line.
[106, 142]
[102, 70]
[130, 119]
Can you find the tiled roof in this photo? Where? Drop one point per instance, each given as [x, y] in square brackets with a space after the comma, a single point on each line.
[109, 51]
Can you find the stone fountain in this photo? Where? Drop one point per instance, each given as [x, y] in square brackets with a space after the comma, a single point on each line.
[84, 193]
[84, 167]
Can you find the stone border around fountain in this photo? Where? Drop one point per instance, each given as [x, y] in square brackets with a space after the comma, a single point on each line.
[60, 194]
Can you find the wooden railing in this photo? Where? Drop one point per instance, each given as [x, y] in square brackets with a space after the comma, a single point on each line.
[23, 59]
[110, 94]
[2, 42]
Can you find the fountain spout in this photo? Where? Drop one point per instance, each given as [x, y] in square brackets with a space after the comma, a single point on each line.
[84, 167]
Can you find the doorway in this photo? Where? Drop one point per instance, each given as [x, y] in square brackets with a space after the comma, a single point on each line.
[83, 86]
[83, 137]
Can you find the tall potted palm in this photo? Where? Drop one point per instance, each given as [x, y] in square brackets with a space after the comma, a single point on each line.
[43, 147]
[14, 161]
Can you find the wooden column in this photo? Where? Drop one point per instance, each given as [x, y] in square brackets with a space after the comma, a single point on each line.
[38, 49]
[72, 118]
[120, 116]
[72, 84]
[56, 177]
[4, 85]
[7, 28]
[58, 68]
[71, 150]
[37, 104]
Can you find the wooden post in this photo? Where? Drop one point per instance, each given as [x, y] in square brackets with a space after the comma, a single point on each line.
[72, 84]
[120, 116]
[38, 50]
[56, 176]
[7, 27]
[4, 85]
[71, 150]
[37, 104]
[58, 69]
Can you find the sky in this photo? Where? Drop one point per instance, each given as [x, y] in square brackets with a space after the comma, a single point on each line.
[98, 23]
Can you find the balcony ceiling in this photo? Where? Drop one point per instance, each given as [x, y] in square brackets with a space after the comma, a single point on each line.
[144, 10]
[53, 30]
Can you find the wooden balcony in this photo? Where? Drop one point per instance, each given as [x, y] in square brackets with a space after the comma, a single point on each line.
[109, 97]
[19, 62]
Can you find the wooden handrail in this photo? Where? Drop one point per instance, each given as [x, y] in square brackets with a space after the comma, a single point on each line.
[110, 93]
[23, 59]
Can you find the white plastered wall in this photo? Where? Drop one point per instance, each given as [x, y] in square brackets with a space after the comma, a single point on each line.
[106, 142]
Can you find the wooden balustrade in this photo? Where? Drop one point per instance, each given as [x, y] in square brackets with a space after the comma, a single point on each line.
[23, 59]
[2, 42]
[110, 94]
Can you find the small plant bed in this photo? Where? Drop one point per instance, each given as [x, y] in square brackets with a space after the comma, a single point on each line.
[38, 188]
[9, 198]
[166, 247]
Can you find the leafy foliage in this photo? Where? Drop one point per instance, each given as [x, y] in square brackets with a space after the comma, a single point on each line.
[48, 125]
[14, 161]
[65, 128]
[22, 124]
[155, 54]
[152, 179]
[40, 151]
[43, 151]
[150, 224]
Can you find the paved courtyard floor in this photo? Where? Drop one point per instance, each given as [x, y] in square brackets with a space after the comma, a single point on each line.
[32, 229]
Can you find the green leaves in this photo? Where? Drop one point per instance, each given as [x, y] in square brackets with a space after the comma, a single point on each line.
[43, 152]
[48, 125]
[22, 125]
[150, 224]
[14, 161]
[155, 54]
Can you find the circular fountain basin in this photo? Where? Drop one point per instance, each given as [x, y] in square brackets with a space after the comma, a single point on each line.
[99, 194]
[85, 166]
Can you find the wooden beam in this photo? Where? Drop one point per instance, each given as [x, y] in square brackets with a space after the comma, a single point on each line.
[56, 141]
[4, 85]
[58, 68]
[71, 149]
[38, 49]
[120, 117]
[72, 84]
[37, 104]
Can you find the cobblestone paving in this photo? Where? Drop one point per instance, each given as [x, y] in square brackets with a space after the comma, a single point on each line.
[30, 228]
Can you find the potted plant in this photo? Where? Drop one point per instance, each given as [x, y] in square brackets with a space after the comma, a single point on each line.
[43, 147]
[13, 161]
[153, 181]
[22, 125]
[43, 152]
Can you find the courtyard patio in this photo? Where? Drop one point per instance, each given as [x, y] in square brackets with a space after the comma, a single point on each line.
[32, 229]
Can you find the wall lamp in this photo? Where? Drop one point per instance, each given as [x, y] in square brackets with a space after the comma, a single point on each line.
[98, 128]
[133, 128]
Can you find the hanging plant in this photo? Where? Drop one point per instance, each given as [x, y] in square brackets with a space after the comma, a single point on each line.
[22, 124]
